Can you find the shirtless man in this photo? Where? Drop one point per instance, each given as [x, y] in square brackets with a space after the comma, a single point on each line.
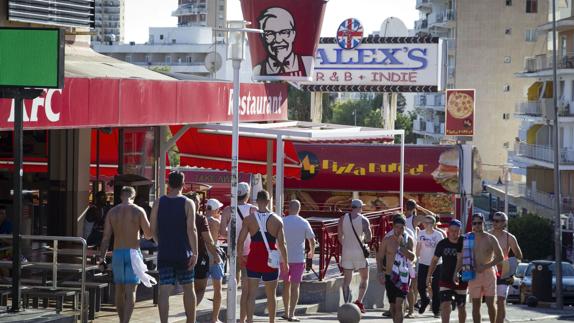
[508, 244]
[257, 267]
[487, 254]
[124, 221]
[389, 247]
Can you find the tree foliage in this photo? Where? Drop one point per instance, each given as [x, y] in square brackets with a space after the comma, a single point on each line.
[534, 235]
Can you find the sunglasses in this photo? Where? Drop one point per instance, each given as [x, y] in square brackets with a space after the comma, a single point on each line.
[477, 223]
[429, 222]
[498, 221]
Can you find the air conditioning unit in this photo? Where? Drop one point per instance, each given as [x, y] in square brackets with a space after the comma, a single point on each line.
[530, 64]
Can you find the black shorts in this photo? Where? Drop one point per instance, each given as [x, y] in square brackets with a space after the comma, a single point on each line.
[392, 291]
[505, 281]
[201, 269]
[447, 295]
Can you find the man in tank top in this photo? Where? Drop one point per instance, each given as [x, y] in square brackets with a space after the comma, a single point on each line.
[173, 228]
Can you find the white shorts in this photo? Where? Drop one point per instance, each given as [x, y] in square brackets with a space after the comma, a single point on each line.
[353, 264]
[502, 290]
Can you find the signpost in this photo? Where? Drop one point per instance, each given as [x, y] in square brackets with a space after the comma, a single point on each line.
[33, 61]
[459, 113]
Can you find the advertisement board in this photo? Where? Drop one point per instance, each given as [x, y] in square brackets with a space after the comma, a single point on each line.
[366, 167]
[459, 114]
[31, 57]
[291, 30]
[382, 64]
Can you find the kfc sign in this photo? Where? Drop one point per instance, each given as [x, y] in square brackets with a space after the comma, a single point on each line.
[42, 103]
[287, 46]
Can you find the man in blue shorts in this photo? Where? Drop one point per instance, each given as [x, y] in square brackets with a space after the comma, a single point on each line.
[124, 221]
[173, 228]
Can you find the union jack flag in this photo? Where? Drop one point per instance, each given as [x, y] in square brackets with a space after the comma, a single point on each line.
[350, 33]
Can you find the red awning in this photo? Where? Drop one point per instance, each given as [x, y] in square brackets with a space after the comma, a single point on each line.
[109, 142]
[207, 150]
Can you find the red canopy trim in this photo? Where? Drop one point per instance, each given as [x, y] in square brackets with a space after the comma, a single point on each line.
[213, 151]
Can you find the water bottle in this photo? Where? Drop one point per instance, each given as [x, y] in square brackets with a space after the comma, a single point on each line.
[468, 272]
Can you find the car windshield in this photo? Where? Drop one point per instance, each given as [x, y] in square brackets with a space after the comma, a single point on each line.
[521, 269]
[567, 269]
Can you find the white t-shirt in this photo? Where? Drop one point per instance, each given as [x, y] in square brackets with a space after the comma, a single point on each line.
[297, 230]
[428, 244]
[245, 211]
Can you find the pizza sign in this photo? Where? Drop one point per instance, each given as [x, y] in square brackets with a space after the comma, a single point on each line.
[459, 112]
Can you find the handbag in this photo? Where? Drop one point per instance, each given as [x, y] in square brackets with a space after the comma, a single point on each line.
[364, 247]
[274, 258]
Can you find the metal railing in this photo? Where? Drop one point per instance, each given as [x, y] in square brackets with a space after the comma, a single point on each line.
[422, 2]
[421, 24]
[548, 200]
[544, 153]
[55, 240]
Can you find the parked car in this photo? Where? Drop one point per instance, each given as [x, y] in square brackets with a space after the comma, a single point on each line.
[567, 281]
[514, 290]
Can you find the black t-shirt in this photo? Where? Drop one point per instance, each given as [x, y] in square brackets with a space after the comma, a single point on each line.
[448, 251]
[201, 225]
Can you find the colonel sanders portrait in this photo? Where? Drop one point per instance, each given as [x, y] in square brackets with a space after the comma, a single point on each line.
[278, 37]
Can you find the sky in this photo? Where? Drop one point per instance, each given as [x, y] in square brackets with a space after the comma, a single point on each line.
[142, 14]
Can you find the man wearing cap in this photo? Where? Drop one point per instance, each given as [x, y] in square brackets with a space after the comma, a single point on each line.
[428, 240]
[353, 231]
[487, 254]
[244, 209]
[450, 287]
[397, 247]
[173, 228]
[207, 254]
[510, 250]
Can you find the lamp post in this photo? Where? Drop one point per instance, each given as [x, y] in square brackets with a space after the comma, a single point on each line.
[556, 144]
[236, 39]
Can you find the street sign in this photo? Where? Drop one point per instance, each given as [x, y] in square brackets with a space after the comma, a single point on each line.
[377, 64]
[31, 57]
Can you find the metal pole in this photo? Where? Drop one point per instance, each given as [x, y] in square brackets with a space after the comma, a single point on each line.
[505, 174]
[17, 200]
[97, 188]
[402, 184]
[162, 161]
[232, 284]
[279, 177]
[556, 143]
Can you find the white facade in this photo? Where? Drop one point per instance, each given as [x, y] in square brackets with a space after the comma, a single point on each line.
[182, 50]
[109, 21]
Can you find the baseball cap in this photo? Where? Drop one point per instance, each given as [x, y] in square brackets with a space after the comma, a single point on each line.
[356, 203]
[478, 215]
[501, 215]
[214, 204]
[455, 222]
[242, 188]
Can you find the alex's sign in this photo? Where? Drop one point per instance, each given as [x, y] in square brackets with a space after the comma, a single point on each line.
[365, 168]
[96, 103]
[291, 31]
[407, 64]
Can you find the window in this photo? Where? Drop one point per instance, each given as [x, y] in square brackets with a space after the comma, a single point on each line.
[507, 60]
[129, 58]
[508, 31]
[160, 37]
[531, 6]
[168, 60]
[148, 58]
[509, 2]
[506, 88]
[530, 35]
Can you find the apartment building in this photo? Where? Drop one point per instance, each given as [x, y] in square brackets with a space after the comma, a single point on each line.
[109, 21]
[533, 150]
[485, 43]
[212, 13]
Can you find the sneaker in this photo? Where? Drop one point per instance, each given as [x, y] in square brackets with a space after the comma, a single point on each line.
[436, 315]
[361, 306]
[423, 306]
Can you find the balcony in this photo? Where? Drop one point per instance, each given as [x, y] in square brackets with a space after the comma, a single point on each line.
[543, 108]
[434, 101]
[190, 9]
[544, 153]
[421, 24]
[428, 128]
[549, 200]
[450, 72]
[543, 63]
[450, 45]
[443, 19]
[423, 4]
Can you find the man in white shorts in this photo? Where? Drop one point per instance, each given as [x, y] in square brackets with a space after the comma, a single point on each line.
[354, 230]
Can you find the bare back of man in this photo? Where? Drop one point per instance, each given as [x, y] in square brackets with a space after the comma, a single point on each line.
[126, 222]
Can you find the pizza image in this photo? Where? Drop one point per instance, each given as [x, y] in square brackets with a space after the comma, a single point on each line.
[460, 105]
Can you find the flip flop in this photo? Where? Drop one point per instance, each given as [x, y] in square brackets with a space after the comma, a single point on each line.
[285, 317]
[410, 316]
[294, 319]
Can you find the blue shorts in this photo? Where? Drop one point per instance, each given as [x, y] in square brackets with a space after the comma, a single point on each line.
[171, 276]
[122, 267]
[216, 271]
[266, 277]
